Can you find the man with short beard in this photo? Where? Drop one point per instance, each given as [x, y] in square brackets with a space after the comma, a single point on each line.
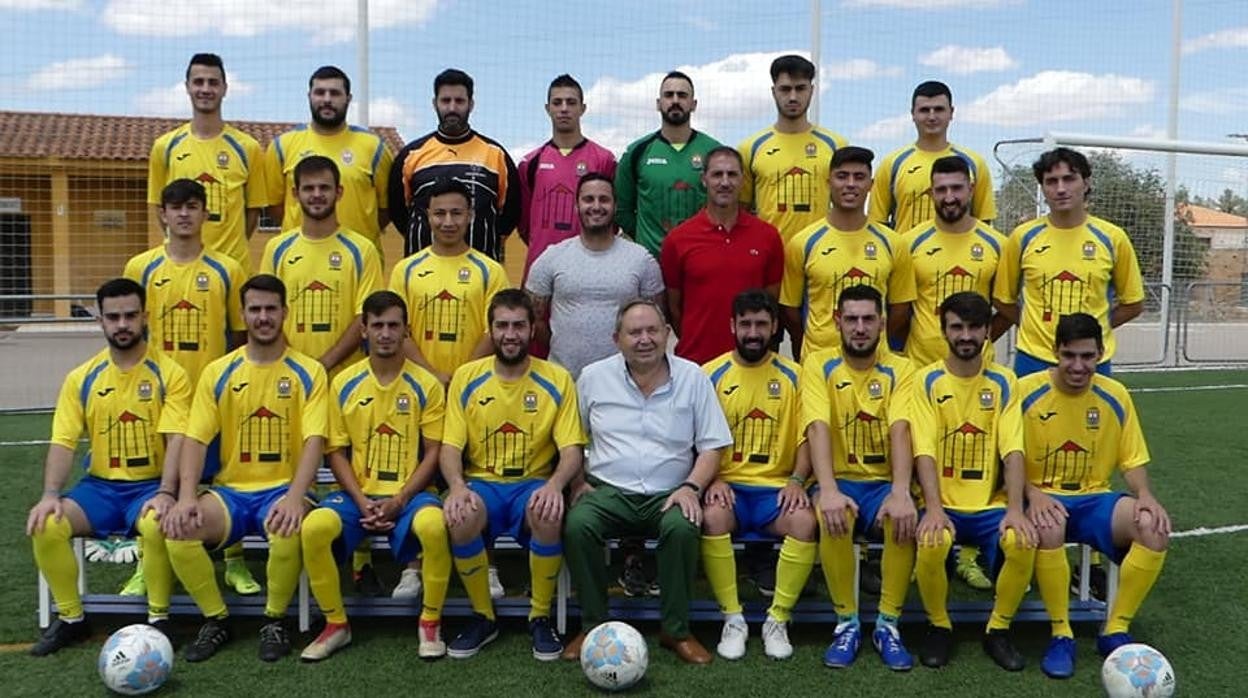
[659, 181]
[362, 157]
[455, 151]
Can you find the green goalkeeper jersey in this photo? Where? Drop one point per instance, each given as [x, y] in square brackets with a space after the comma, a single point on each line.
[659, 184]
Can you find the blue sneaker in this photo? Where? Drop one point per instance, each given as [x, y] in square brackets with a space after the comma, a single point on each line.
[1059, 658]
[480, 632]
[887, 641]
[846, 640]
[1106, 644]
[546, 643]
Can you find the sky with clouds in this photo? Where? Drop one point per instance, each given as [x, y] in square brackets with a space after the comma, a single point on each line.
[1018, 68]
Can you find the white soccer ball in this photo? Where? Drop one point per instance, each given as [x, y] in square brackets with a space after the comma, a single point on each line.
[1137, 671]
[614, 656]
[135, 660]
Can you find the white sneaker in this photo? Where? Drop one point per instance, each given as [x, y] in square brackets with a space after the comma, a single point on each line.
[496, 586]
[732, 639]
[431, 646]
[409, 584]
[776, 639]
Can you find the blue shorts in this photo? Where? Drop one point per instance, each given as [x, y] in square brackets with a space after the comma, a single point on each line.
[112, 506]
[869, 495]
[505, 505]
[403, 543]
[981, 529]
[1090, 520]
[1026, 364]
[245, 511]
[756, 507]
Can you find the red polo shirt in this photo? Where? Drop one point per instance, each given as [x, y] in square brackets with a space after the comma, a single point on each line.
[710, 265]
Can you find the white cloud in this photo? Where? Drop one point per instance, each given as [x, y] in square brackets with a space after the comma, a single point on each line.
[79, 73]
[925, 4]
[1235, 37]
[856, 69]
[329, 22]
[1058, 95]
[390, 111]
[1231, 100]
[891, 128]
[1149, 131]
[963, 60]
[172, 100]
[40, 4]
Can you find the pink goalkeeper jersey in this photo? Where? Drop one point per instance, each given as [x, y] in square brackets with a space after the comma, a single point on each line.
[548, 181]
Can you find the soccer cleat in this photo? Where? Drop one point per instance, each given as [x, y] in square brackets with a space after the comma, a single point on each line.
[846, 640]
[409, 584]
[764, 580]
[997, 645]
[136, 585]
[480, 632]
[970, 572]
[732, 639]
[887, 641]
[496, 585]
[165, 626]
[238, 577]
[431, 645]
[546, 643]
[633, 577]
[937, 647]
[776, 643]
[60, 634]
[1098, 582]
[1106, 644]
[334, 637]
[212, 634]
[367, 583]
[1059, 658]
[275, 640]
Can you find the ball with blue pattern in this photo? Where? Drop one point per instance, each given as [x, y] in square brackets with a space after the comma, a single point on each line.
[1137, 671]
[614, 656]
[136, 660]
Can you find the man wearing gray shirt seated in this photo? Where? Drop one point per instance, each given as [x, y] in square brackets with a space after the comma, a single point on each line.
[578, 284]
[655, 434]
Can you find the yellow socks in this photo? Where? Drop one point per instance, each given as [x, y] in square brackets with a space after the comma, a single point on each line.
[282, 571]
[435, 566]
[1012, 580]
[929, 570]
[156, 569]
[319, 530]
[721, 571]
[1053, 581]
[797, 558]
[896, 566]
[1140, 569]
[56, 561]
[836, 555]
[545, 559]
[473, 566]
[194, 569]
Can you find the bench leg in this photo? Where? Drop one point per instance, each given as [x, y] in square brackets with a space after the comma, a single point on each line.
[1085, 572]
[80, 547]
[45, 603]
[1111, 593]
[563, 588]
[305, 610]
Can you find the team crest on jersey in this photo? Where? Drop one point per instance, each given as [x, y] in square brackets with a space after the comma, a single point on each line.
[530, 401]
[581, 168]
[464, 275]
[347, 157]
[696, 161]
[283, 387]
[773, 388]
[145, 391]
[223, 159]
[875, 390]
[977, 252]
[870, 250]
[811, 150]
[201, 281]
[403, 404]
[1089, 250]
[985, 399]
[335, 260]
[1093, 418]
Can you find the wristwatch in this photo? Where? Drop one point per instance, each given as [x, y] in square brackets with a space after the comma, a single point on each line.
[691, 485]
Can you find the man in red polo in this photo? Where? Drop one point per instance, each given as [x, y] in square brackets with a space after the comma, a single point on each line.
[714, 255]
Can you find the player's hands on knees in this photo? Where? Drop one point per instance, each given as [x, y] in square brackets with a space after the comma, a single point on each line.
[899, 508]
[1023, 529]
[546, 503]
[720, 494]
[161, 503]
[688, 502]
[1160, 520]
[1045, 511]
[792, 497]
[182, 519]
[48, 505]
[833, 506]
[459, 504]
[285, 516]
[933, 522]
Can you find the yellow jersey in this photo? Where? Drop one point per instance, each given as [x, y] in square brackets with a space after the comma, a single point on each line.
[902, 193]
[786, 176]
[821, 261]
[231, 168]
[1075, 442]
[263, 414]
[763, 408]
[125, 413]
[191, 306]
[967, 425]
[364, 161]
[381, 425]
[1058, 271]
[511, 430]
[448, 299]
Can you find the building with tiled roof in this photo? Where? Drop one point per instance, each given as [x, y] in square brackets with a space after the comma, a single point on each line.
[1225, 283]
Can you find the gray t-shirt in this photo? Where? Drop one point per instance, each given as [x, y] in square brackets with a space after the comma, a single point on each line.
[586, 288]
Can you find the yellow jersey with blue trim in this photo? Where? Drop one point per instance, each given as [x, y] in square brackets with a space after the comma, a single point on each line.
[1075, 441]
[126, 413]
[967, 425]
[382, 426]
[901, 195]
[511, 429]
[786, 176]
[230, 166]
[191, 306]
[859, 408]
[763, 408]
[263, 413]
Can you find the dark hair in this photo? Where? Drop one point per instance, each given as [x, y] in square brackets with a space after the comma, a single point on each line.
[1076, 326]
[973, 308]
[1074, 159]
[723, 150]
[852, 153]
[262, 282]
[120, 288]
[792, 65]
[860, 292]
[679, 75]
[753, 300]
[566, 80]
[931, 88]
[951, 164]
[594, 177]
[446, 185]
[511, 298]
[379, 302]
[180, 191]
[331, 72]
[316, 163]
[211, 60]
[452, 76]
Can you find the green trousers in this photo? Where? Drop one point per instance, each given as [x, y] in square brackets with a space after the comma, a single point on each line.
[608, 513]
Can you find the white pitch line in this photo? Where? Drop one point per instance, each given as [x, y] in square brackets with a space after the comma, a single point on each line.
[36, 442]
[1180, 389]
[1203, 531]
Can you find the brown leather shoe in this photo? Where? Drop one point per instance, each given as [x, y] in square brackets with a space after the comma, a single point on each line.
[687, 648]
[572, 650]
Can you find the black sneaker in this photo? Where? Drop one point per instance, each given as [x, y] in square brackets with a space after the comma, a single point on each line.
[274, 640]
[165, 626]
[937, 647]
[480, 632]
[367, 582]
[1098, 582]
[546, 643]
[212, 634]
[633, 577]
[60, 634]
[997, 645]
